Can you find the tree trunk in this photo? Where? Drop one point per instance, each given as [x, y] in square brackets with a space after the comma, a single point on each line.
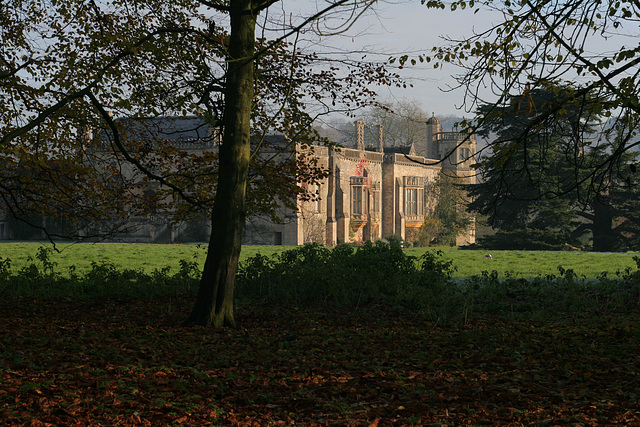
[214, 303]
[603, 235]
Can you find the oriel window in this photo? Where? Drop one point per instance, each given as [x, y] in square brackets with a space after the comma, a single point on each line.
[411, 201]
[356, 199]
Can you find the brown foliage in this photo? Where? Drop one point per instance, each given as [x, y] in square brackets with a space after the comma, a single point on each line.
[123, 363]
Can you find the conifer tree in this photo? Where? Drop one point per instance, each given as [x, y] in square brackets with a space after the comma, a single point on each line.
[536, 189]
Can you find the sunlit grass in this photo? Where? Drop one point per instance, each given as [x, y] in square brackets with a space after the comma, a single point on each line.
[150, 257]
[145, 257]
[533, 263]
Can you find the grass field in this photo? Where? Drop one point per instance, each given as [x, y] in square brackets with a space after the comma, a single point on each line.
[149, 257]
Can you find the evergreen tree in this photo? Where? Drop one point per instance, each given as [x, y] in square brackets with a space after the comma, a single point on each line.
[538, 190]
[611, 207]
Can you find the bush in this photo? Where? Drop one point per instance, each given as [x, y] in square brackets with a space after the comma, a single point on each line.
[553, 295]
[382, 274]
[395, 239]
[40, 279]
[313, 275]
[346, 277]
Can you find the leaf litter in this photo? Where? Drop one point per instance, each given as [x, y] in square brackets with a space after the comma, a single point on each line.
[126, 363]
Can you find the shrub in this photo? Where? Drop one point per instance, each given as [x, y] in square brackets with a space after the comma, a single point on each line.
[382, 274]
[40, 279]
[313, 275]
[553, 295]
[346, 277]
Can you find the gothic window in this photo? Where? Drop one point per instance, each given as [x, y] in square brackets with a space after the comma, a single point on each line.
[356, 199]
[411, 201]
[375, 196]
[414, 196]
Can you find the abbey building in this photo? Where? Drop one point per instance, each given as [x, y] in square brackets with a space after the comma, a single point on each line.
[371, 192]
[374, 191]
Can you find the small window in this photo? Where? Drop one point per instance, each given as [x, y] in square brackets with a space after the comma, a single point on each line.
[356, 199]
[411, 201]
[375, 195]
[464, 154]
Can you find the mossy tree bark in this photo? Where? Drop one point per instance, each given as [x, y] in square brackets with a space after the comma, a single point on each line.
[214, 303]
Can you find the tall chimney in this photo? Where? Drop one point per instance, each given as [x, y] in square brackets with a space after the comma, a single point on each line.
[360, 133]
[381, 138]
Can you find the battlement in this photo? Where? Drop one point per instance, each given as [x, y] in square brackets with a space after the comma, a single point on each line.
[454, 136]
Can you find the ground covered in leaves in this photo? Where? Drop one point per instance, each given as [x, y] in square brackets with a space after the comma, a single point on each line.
[112, 362]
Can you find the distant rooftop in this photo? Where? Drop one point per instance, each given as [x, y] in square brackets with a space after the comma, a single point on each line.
[183, 131]
[178, 129]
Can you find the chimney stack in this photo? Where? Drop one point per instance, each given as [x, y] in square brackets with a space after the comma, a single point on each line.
[360, 134]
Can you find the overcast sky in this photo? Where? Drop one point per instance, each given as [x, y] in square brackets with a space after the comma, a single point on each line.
[405, 27]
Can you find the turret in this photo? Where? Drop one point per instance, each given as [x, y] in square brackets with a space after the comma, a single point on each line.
[434, 128]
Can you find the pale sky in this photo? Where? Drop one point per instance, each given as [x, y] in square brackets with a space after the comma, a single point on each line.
[405, 27]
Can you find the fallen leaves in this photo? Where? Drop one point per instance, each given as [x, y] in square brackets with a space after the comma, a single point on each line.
[125, 363]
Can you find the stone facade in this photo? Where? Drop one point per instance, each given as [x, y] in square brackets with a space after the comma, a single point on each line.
[371, 192]
[375, 191]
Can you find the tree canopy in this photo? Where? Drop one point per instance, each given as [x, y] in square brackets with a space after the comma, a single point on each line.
[590, 51]
[404, 121]
[73, 74]
[448, 218]
[537, 190]
[590, 43]
[69, 68]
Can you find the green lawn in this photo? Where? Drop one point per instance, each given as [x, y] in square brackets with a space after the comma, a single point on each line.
[149, 257]
[535, 263]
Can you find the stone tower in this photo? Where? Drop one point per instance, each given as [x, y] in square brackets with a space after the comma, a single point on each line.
[457, 150]
[433, 129]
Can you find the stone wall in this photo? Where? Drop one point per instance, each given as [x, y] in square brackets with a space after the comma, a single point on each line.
[400, 174]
